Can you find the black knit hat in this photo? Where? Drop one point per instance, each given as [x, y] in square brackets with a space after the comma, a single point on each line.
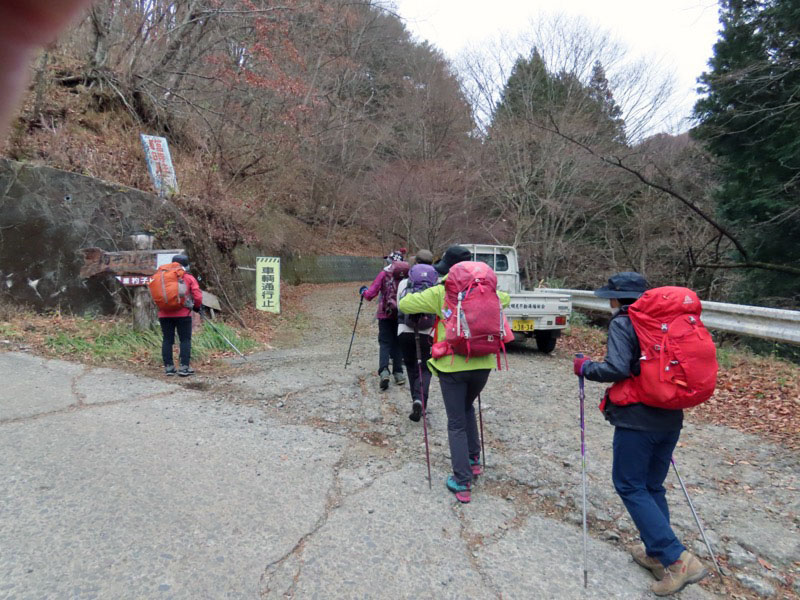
[181, 259]
[452, 256]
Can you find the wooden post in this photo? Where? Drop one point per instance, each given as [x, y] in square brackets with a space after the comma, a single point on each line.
[144, 309]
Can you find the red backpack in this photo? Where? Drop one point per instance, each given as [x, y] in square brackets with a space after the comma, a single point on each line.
[679, 358]
[474, 322]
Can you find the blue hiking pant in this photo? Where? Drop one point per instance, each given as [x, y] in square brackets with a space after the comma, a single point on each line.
[641, 464]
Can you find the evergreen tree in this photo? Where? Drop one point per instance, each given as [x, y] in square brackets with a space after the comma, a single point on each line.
[750, 119]
[527, 90]
[609, 111]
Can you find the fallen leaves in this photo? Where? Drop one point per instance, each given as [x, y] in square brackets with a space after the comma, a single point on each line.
[758, 395]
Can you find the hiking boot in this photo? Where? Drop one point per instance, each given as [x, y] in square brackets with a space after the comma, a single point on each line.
[653, 565]
[462, 492]
[477, 467]
[399, 378]
[416, 411]
[687, 569]
[384, 379]
[170, 370]
[185, 371]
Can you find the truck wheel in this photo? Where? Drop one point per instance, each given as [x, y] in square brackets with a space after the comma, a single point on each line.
[546, 340]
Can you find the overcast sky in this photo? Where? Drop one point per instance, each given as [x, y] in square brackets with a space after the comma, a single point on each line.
[678, 33]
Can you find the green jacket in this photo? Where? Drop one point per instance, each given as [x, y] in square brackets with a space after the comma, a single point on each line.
[432, 301]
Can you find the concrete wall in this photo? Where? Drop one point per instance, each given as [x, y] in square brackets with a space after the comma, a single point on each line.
[312, 269]
[330, 269]
[47, 215]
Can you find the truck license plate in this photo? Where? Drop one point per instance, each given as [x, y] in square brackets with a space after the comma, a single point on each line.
[522, 324]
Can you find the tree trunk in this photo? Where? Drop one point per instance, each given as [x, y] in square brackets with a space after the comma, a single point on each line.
[40, 86]
[144, 311]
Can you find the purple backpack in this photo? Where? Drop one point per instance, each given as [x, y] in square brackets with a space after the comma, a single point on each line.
[420, 278]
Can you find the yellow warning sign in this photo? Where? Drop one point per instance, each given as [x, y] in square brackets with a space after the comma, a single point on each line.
[268, 283]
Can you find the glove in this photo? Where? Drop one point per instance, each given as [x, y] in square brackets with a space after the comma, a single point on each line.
[362, 289]
[577, 364]
[196, 308]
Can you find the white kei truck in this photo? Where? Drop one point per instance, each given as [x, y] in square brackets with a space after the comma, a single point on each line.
[538, 313]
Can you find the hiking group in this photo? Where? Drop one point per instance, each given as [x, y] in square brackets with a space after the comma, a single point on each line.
[446, 319]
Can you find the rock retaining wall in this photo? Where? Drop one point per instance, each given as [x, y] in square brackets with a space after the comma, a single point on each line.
[47, 215]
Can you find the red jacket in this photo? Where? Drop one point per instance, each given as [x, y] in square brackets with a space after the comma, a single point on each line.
[193, 289]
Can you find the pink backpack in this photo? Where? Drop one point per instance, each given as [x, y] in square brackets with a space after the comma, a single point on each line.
[474, 322]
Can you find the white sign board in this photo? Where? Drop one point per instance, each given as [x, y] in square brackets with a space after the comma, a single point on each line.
[159, 163]
[163, 259]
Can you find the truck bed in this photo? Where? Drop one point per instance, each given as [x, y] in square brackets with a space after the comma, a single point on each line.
[530, 311]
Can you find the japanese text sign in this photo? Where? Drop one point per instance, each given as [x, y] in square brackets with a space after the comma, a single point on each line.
[268, 284]
[159, 163]
[133, 280]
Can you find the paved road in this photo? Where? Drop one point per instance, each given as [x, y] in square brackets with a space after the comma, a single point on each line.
[296, 478]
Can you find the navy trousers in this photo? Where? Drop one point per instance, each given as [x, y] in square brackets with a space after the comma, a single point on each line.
[641, 464]
[168, 327]
[389, 346]
[409, 347]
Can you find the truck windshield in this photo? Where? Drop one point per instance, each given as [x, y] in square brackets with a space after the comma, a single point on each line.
[499, 262]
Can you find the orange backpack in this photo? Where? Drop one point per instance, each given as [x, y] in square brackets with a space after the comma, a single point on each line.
[168, 289]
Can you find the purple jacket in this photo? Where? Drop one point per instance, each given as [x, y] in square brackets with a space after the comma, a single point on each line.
[374, 290]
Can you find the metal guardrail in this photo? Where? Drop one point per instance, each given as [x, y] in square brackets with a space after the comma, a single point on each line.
[767, 323]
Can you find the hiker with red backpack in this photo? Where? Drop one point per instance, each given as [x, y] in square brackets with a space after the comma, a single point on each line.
[177, 294]
[470, 334]
[386, 284]
[415, 332]
[660, 360]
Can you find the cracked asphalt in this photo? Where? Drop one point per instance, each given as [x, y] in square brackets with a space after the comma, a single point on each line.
[293, 477]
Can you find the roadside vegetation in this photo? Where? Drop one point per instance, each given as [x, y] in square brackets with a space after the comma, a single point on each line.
[112, 341]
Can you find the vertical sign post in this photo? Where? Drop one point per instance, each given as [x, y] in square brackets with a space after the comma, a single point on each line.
[159, 163]
[268, 283]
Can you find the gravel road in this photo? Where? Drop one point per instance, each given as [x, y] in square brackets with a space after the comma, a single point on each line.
[293, 477]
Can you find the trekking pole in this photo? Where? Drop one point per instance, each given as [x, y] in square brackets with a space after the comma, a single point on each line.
[424, 406]
[352, 337]
[480, 420]
[222, 335]
[581, 395]
[696, 518]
